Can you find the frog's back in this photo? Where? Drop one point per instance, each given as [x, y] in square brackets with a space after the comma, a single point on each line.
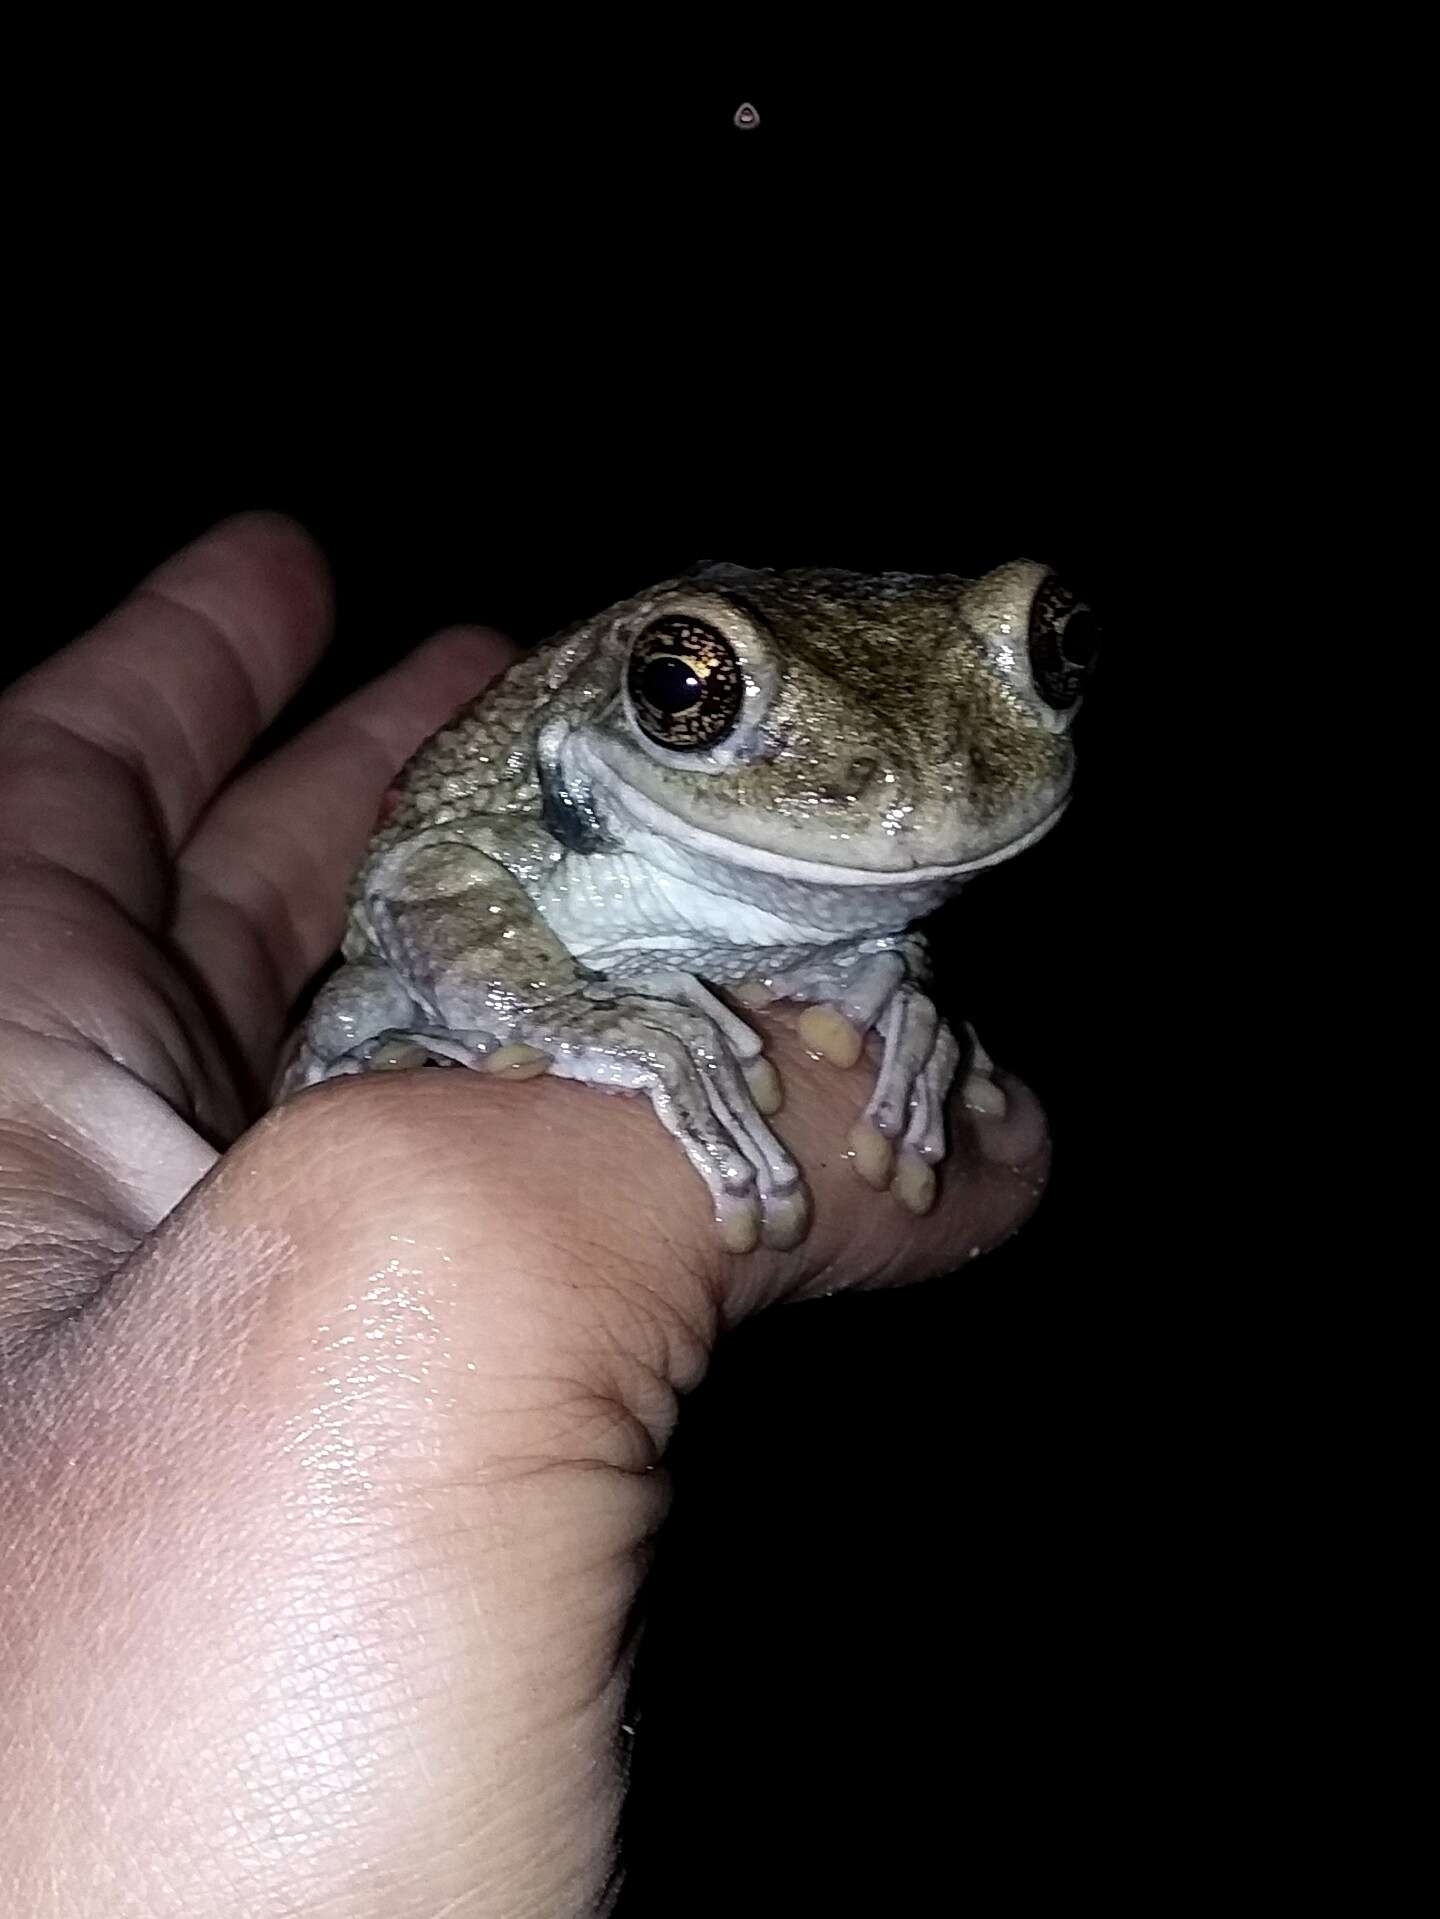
[482, 763]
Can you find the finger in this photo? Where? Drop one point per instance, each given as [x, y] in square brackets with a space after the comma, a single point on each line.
[621, 1203]
[112, 749]
[260, 899]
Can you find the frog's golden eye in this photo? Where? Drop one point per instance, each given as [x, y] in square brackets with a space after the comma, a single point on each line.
[685, 684]
[1064, 642]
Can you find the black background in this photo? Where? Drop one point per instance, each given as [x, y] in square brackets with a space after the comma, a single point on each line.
[923, 1616]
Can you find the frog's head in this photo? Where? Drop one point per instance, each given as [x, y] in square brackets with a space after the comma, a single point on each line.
[839, 726]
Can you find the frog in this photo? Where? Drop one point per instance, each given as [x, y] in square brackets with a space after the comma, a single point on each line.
[740, 786]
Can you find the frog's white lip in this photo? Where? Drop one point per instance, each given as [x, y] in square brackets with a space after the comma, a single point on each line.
[655, 818]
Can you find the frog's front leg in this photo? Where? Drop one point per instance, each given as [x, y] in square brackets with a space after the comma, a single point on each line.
[745, 1043]
[467, 968]
[876, 985]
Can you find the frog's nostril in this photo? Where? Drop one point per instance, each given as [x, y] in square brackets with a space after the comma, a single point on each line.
[861, 770]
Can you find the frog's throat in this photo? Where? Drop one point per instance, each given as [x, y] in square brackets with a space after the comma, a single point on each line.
[651, 817]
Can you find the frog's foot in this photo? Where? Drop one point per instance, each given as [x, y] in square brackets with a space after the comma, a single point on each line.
[397, 1048]
[744, 1042]
[361, 1019]
[682, 1058]
[848, 999]
[900, 1138]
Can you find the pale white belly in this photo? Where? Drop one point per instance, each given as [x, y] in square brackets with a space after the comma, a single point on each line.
[620, 913]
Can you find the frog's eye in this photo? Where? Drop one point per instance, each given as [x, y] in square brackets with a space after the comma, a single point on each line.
[1064, 642]
[685, 684]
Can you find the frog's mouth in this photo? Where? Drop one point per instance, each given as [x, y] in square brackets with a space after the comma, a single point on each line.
[597, 774]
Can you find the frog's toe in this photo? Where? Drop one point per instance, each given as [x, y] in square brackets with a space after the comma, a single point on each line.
[397, 1055]
[308, 1067]
[908, 1032]
[982, 1095]
[871, 1154]
[764, 1084]
[925, 1127]
[827, 1033]
[737, 1216]
[515, 1062]
[979, 1090]
[785, 1218]
[703, 1097]
[915, 1183]
[870, 988]
[744, 1042]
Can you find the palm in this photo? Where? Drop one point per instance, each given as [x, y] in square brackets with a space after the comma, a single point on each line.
[180, 907]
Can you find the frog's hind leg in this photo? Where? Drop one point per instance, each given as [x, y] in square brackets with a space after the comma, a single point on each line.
[362, 1019]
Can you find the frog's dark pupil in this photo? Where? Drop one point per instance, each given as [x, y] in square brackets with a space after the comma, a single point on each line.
[670, 685]
[1080, 641]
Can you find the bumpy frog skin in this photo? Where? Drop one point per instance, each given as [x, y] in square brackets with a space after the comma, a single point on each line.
[757, 780]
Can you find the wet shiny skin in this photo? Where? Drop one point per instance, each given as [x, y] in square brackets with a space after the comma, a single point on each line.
[735, 788]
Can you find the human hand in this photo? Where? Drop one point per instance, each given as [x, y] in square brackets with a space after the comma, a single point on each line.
[328, 1448]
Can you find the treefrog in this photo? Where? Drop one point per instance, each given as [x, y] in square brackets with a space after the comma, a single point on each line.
[736, 787]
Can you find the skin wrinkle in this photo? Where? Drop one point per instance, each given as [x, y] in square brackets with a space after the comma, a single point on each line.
[184, 764]
[626, 1262]
[99, 1238]
[20, 707]
[49, 1273]
[135, 785]
[75, 921]
[265, 974]
[218, 1119]
[245, 852]
[45, 692]
[577, 1453]
[194, 1064]
[694, 1333]
[231, 647]
[65, 1030]
[675, 1348]
[637, 1387]
[356, 735]
[296, 581]
[204, 891]
[41, 1128]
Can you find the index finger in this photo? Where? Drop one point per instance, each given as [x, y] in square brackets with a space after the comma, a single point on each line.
[112, 749]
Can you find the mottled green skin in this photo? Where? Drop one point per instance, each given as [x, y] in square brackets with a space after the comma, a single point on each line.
[483, 761]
